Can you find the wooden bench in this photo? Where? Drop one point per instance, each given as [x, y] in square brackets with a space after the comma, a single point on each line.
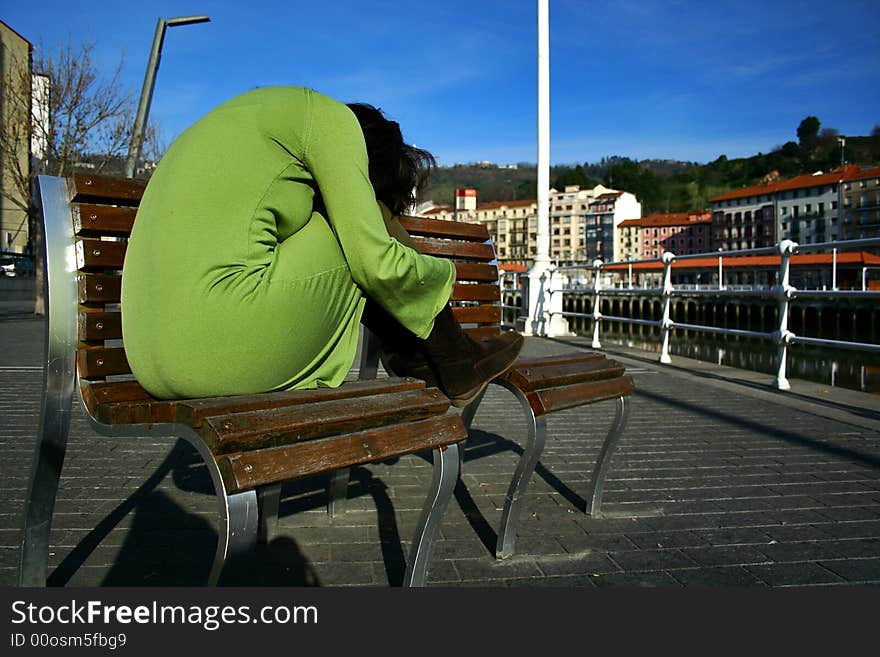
[542, 385]
[250, 444]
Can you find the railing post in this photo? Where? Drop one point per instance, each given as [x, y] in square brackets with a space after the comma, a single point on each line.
[834, 269]
[666, 323]
[597, 314]
[784, 292]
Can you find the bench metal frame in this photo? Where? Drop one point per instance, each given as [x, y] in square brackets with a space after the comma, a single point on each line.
[536, 426]
[245, 517]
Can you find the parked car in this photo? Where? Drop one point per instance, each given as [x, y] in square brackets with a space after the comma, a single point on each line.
[24, 267]
[16, 265]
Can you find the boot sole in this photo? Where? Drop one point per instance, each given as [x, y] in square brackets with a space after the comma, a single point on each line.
[464, 399]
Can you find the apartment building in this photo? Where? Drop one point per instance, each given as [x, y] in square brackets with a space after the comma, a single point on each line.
[608, 209]
[681, 233]
[582, 223]
[860, 204]
[805, 209]
[15, 101]
[512, 224]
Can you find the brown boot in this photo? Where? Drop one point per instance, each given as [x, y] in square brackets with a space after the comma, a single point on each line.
[464, 366]
[401, 352]
[448, 358]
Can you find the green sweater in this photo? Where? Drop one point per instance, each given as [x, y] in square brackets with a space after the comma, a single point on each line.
[257, 239]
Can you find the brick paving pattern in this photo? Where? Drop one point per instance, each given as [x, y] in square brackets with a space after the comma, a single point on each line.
[716, 483]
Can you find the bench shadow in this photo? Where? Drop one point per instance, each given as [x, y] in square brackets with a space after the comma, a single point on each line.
[151, 555]
[482, 444]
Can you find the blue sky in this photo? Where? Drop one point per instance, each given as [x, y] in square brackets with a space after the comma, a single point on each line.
[639, 78]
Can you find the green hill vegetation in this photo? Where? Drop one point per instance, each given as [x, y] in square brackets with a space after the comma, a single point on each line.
[665, 185]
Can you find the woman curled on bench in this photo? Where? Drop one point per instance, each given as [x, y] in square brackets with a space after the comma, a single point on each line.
[264, 237]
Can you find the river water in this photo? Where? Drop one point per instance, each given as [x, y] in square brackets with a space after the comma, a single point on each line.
[854, 370]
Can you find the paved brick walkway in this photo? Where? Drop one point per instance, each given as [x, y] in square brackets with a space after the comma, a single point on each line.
[719, 481]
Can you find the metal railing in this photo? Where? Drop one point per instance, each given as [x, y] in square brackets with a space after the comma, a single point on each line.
[784, 293]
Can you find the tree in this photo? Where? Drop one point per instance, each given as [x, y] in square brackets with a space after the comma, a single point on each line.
[629, 176]
[875, 143]
[78, 117]
[808, 137]
[575, 176]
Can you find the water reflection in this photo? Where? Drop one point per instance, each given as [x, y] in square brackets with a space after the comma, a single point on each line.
[847, 369]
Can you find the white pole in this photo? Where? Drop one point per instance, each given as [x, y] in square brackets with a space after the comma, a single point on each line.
[784, 294]
[597, 315]
[543, 242]
[666, 321]
[545, 304]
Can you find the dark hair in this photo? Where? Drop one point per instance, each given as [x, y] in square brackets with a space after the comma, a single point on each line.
[397, 170]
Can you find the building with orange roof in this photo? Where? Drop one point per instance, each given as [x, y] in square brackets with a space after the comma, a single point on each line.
[651, 236]
[810, 208]
[860, 204]
[582, 223]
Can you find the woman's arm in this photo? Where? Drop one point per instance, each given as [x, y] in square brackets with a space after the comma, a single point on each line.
[411, 286]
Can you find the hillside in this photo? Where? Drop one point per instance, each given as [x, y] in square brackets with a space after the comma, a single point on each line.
[664, 185]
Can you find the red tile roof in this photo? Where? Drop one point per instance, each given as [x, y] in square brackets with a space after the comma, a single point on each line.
[669, 219]
[438, 208]
[848, 172]
[510, 204]
[872, 172]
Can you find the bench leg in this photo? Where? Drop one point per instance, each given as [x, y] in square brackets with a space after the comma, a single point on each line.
[368, 369]
[337, 492]
[45, 476]
[239, 513]
[268, 499]
[537, 437]
[608, 448]
[238, 529]
[446, 461]
[467, 415]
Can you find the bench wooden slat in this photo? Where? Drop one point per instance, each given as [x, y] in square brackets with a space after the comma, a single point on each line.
[99, 254]
[477, 314]
[99, 288]
[104, 189]
[552, 375]
[455, 249]
[244, 471]
[483, 332]
[439, 228]
[90, 220]
[98, 362]
[103, 392]
[125, 402]
[472, 271]
[557, 360]
[99, 325]
[578, 394]
[194, 411]
[475, 292]
[262, 428]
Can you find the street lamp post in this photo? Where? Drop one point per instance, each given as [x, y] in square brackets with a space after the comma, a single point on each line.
[137, 134]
